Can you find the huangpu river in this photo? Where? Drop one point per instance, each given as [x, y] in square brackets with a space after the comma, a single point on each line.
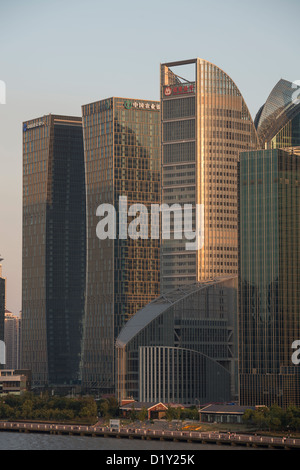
[22, 441]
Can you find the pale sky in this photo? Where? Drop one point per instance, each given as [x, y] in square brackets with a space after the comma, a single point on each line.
[58, 55]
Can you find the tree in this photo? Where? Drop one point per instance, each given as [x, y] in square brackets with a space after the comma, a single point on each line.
[104, 409]
[133, 414]
[27, 409]
[170, 413]
[89, 409]
[108, 407]
[143, 414]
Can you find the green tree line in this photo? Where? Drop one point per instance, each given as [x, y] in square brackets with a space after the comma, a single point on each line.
[47, 408]
[274, 418]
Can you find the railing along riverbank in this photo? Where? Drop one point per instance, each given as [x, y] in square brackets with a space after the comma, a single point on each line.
[218, 438]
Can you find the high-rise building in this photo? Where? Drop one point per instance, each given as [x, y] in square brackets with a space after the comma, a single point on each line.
[205, 124]
[269, 277]
[54, 249]
[269, 225]
[12, 336]
[122, 159]
[2, 302]
[278, 120]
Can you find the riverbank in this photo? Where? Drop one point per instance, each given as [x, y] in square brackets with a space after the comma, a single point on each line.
[131, 432]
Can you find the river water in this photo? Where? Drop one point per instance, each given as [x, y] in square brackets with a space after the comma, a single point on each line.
[21, 441]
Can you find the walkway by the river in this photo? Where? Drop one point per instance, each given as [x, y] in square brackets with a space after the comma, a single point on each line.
[218, 438]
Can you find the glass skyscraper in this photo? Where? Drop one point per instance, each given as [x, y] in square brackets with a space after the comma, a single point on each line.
[205, 124]
[269, 228]
[2, 302]
[122, 159]
[269, 280]
[278, 120]
[54, 249]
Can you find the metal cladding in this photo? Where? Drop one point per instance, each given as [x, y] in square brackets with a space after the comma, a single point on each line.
[182, 346]
[281, 107]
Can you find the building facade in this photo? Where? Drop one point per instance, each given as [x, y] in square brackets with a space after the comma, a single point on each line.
[269, 283]
[14, 382]
[205, 124]
[122, 160]
[182, 347]
[54, 249]
[2, 303]
[12, 339]
[269, 253]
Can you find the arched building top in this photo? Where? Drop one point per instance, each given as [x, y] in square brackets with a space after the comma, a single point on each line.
[280, 108]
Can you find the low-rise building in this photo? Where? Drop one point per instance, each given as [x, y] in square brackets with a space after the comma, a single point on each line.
[154, 410]
[14, 381]
[215, 413]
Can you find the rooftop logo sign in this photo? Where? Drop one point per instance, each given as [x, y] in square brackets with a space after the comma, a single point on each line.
[179, 89]
[141, 105]
[27, 127]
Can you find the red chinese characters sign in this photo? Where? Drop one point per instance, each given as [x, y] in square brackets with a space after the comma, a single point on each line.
[179, 89]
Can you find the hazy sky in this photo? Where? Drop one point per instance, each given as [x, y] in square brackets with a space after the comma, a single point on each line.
[56, 55]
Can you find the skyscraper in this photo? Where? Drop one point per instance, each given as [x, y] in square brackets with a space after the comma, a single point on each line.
[122, 159]
[269, 227]
[54, 249]
[205, 124]
[269, 279]
[12, 336]
[2, 303]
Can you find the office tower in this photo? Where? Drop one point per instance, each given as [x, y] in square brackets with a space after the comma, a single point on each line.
[54, 249]
[269, 279]
[122, 159]
[182, 347]
[2, 303]
[12, 336]
[278, 120]
[205, 124]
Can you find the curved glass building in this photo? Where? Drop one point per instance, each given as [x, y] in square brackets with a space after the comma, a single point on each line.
[181, 348]
[278, 120]
[205, 124]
